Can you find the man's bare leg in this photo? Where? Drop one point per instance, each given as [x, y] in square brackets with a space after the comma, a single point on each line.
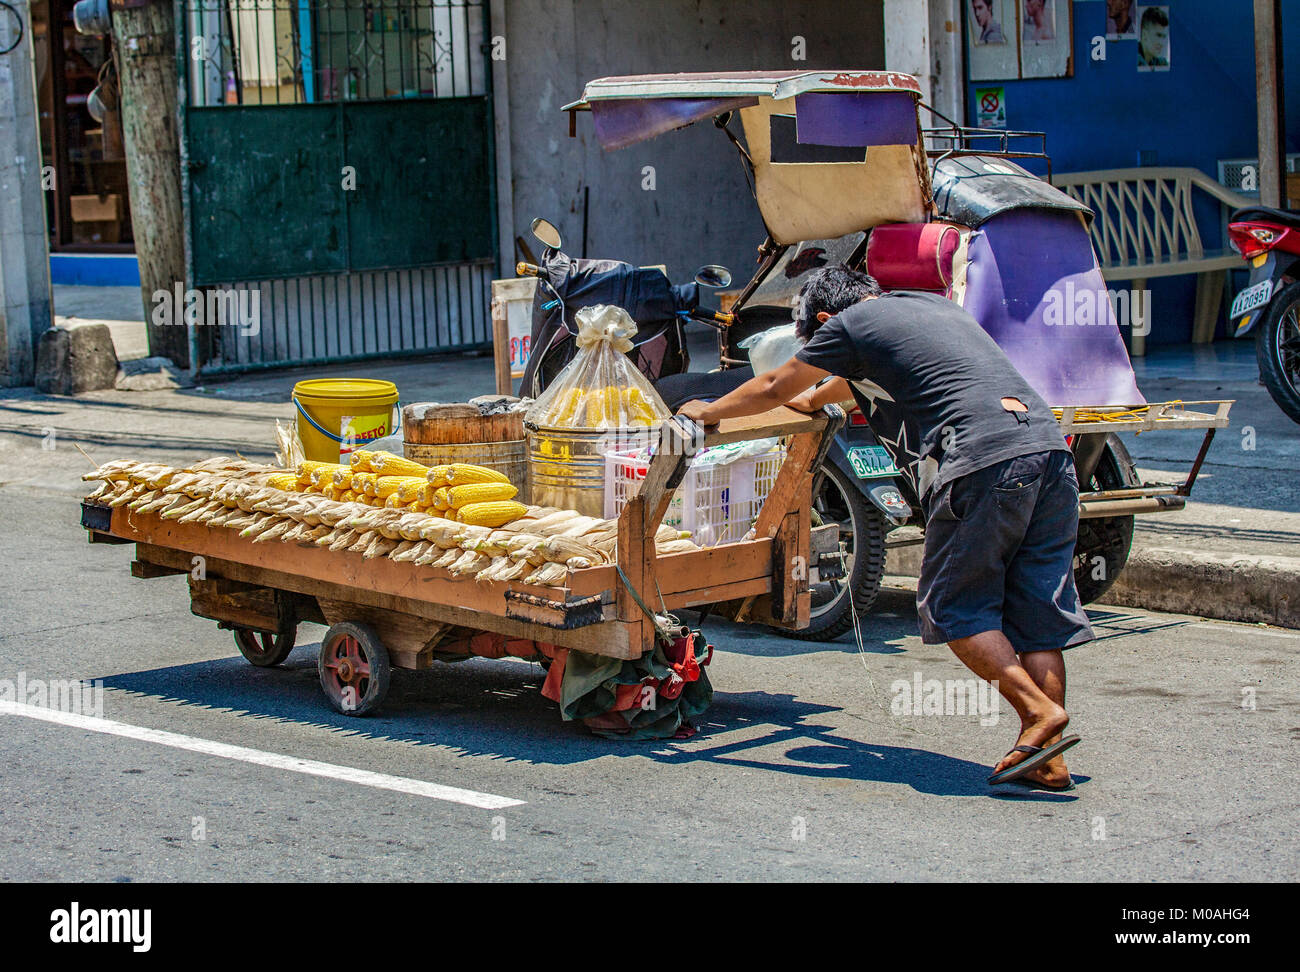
[1047, 669]
[990, 656]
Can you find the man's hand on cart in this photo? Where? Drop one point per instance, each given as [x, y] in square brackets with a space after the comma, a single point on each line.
[758, 395]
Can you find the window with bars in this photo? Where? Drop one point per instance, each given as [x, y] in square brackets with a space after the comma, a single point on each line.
[279, 52]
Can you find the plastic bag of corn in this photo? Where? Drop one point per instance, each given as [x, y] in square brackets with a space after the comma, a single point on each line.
[600, 388]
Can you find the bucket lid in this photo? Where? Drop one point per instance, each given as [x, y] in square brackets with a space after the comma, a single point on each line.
[342, 388]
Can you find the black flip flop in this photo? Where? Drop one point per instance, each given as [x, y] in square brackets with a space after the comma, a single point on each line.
[1038, 755]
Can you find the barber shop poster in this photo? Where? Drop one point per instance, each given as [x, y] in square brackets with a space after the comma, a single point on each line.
[1011, 39]
[1152, 38]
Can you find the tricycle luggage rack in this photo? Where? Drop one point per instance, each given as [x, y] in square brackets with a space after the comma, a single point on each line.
[967, 140]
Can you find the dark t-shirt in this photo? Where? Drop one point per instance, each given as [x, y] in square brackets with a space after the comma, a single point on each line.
[930, 382]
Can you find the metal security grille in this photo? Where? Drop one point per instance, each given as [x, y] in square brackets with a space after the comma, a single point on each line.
[277, 52]
[339, 162]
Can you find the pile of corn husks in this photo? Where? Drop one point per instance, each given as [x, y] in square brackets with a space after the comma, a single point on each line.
[539, 547]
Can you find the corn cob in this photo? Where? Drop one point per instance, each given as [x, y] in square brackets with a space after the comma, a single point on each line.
[285, 481]
[439, 498]
[345, 538]
[387, 464]
[493, 514]
[451, 514]
[548, 575]
[416, 549]
[459, 496]
[380, 546]
[461, 473]
[437, 475]
[360, 460]
[343, 477]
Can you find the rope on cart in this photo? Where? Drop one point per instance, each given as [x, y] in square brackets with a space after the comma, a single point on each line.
[661, 624]
[1118, 415]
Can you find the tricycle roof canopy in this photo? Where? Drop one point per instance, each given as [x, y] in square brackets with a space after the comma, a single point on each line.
[832, 152]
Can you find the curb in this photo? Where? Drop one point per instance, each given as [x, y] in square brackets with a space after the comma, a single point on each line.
[1254, 588]
[1227, 587]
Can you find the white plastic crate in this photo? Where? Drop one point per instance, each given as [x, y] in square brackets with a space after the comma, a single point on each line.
[716, 502]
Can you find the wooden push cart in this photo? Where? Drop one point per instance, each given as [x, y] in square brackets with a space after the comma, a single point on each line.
[384, 614]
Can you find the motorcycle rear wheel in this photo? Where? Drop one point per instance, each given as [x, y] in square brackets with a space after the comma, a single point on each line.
[862, 532]
[1277, 349]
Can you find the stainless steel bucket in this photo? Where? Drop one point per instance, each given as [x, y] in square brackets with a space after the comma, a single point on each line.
[566, 467]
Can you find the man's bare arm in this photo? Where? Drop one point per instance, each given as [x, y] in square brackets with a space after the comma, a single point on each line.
[834, 391]
[757, 395]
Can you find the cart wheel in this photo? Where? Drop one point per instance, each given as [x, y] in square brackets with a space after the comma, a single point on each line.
[354, 668]
[264, 649]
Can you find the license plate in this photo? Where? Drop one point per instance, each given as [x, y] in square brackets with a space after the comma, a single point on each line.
[871, 462]
[1252, 297]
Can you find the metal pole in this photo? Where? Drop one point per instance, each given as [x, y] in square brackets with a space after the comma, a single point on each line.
[1268, 86]
[26, 302]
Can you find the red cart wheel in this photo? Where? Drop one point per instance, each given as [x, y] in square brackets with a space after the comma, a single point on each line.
[354, 668]
[264, 649]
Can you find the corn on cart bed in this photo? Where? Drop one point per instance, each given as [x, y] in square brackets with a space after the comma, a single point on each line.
[384, 614]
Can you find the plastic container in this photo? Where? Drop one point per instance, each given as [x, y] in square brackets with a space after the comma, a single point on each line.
[337, 416]
[717, 502]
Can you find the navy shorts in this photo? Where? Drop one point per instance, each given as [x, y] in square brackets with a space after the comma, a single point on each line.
[999, 555]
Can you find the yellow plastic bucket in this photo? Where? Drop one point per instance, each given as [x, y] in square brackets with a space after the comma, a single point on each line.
[337, 416]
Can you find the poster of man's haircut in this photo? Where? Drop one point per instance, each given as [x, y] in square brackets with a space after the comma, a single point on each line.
[1121, 20]
[1153, 38]
[992, 39]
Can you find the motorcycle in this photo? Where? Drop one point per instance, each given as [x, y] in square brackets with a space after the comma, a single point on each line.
[1269, 305]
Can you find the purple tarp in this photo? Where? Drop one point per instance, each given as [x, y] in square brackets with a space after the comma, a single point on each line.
[1033, 283]
[850, 120]
[626, 121]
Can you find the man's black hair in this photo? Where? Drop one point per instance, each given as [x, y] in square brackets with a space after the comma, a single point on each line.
[831, 289]
[1156, 16]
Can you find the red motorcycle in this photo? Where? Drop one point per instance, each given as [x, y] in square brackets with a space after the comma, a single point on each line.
[1269, 240]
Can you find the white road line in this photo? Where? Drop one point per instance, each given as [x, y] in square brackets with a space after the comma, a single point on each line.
[310, 767]
[1229, 626]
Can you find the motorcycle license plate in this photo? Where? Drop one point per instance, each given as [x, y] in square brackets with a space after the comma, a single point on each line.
[871, 462]
[1256, 295]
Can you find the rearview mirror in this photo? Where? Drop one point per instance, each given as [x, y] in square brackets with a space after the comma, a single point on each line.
[546, 233]
[713, 275]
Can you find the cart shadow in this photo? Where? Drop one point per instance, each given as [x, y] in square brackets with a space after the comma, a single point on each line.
[482, 708]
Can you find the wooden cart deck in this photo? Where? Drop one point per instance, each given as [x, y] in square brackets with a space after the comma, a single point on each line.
[416, 606]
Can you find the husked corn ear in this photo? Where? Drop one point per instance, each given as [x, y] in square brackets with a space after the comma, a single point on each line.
[461, 474]
[364, 482]
[285, 481]
[491, 514]
[323, 474]
[437, 475]
[308, 466]
[343, 477]
[386, 486]
[451, 514]
[411, 490]
[360, 460]
[439, 498]
[459, 496]
[347, 496]
[387, 464]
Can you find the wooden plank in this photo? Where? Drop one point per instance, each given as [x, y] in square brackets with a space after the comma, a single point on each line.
[146, 570]
[784, 494]
[778, 421]
[610, 638]
[336, 567]
[254, 607]
[501, 345]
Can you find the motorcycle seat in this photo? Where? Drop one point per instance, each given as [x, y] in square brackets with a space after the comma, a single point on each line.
[1267, 214]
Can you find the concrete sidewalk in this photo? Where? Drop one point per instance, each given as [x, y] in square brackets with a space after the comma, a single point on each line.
[1232, 554]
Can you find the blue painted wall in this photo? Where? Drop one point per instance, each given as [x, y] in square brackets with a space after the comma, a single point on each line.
[1199, 111]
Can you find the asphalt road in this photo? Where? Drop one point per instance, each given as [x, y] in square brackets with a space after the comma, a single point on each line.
[1187, 769]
